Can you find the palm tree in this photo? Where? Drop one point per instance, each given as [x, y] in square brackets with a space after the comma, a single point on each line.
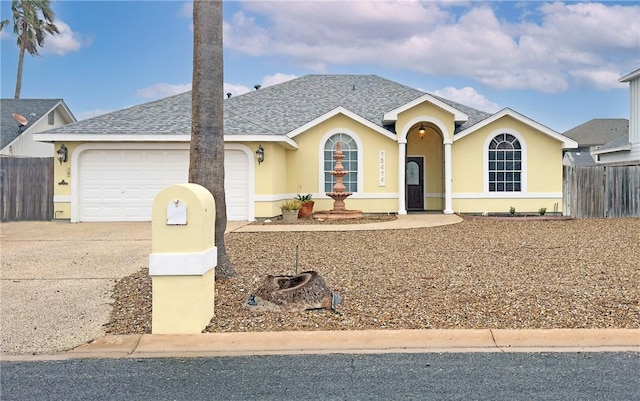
[206, 165]
[32, 19]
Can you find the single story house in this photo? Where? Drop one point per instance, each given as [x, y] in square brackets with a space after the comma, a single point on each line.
[21, 118]
[405, 150]
[625, 149]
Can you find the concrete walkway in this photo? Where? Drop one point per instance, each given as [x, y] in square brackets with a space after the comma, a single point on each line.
[418, 220]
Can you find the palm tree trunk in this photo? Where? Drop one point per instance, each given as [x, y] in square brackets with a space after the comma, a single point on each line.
[19, 75]
[206, 166]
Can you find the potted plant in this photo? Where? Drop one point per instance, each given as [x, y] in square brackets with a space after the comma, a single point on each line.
[306, 211]
[290, 210]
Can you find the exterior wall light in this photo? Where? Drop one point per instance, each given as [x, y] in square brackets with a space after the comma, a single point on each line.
[63, 154]
[260, 154]
[421, 130]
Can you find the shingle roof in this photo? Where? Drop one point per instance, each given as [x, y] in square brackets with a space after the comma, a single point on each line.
[274, 110]
[580, 158]
[25, 107]
[598, 131]
[615, 143]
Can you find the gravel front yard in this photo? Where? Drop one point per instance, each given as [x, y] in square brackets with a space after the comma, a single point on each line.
[480, 273]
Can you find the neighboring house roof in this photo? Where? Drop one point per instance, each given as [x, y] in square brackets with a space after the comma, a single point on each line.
[275, 110]
[630, 76]
[615, 145]
[574, 158]
[32, 109]
[598, 131]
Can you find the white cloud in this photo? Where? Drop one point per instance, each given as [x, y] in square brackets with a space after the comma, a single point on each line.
[186, 11]
[276, 78]
[66, 41]
[269, 80]
[161, 90]
[548, 47]
[235, 90]
[469, 97]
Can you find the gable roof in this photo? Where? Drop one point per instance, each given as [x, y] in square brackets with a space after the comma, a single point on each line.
[274, 111]
[391, 116]
[566, 142]
[598, 131]
[32, 109]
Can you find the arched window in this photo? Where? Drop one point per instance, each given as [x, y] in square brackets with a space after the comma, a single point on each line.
[505, 164]
[350, 162]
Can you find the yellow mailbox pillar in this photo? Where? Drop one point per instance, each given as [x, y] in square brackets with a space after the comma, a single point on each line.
[183, 259]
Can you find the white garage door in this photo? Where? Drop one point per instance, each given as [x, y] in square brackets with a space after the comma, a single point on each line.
[120, 185]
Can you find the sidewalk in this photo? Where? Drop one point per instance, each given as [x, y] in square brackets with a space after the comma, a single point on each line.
[352, 342]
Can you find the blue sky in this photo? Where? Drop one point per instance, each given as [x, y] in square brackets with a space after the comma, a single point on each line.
[555, 62]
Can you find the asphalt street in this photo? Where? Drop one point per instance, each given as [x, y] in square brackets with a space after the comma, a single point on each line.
[430, 376]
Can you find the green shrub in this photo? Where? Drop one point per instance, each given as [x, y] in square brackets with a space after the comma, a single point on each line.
[303, 198]
[542, 211]
[291, 204]
[512, 210]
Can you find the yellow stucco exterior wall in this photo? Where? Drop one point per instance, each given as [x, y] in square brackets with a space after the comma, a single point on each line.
[299, 171]
[62, 183]
[287, 172]
[542, 171]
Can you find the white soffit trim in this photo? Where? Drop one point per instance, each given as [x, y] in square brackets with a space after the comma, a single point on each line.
[391, 116]
[286, 141]
[110, 138]
[347, 113]
[611, 150]
[66, 110]
[282, 139]
[183, 264]
[567, 143]
[630, 76]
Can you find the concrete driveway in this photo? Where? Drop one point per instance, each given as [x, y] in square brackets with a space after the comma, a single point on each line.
[57, 279]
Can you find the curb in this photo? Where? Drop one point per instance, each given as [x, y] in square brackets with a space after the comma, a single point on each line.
[351, 342]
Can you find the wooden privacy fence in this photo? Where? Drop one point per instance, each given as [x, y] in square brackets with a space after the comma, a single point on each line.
[601, 191]
[26, 188]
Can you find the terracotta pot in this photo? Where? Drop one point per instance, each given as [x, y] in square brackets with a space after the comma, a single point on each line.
[306, 211]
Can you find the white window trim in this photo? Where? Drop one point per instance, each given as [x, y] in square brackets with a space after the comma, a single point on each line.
[485, 162]
[321, 146]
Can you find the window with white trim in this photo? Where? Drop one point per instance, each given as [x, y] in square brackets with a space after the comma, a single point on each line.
[350, 162]
[505, 164]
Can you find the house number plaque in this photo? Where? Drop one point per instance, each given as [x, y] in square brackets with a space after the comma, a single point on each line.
[382, 179]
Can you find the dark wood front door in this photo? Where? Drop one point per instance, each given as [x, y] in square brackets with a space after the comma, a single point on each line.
[415, 183]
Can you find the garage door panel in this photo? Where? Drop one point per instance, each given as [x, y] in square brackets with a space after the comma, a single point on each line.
[120, 185]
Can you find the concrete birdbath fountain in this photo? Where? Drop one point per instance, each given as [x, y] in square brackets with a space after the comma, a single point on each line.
[338, 195]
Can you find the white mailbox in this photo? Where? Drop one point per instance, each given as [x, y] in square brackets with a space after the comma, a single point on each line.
[177, 213]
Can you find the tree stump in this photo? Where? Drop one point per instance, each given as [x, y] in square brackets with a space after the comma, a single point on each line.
[307, 290]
